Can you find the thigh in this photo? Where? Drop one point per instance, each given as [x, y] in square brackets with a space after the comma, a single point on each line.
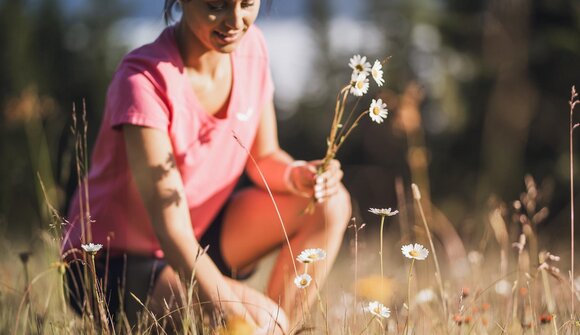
[252, 228]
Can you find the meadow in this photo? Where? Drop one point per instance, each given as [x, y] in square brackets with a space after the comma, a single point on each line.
[407, 271]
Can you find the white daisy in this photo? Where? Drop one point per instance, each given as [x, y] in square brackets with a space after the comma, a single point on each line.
[359, 65]
[311, 255]
[425, 296]
[378, 110]
[475, 257]
[303, 280]
[383, 211]
[378, 309]
[416, 251]
[503, 287]
[92, 248]
[359, 84]
[377, 73]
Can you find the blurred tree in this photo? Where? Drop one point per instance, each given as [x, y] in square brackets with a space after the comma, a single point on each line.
[49, 61]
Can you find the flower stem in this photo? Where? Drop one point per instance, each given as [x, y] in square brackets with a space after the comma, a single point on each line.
[381, 252]
[409, 296]
[436, 260]
[572, 126]
[368, 324]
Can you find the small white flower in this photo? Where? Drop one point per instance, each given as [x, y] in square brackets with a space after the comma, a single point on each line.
[359, 84]
[92, 248]
[383, 211]
[503, 287]
[378, 110]
[311, 255]
[416, 251]
[475, 257]
[359, 65]
[378, 309]
[377, 73]
[303, 280]
[425, 296]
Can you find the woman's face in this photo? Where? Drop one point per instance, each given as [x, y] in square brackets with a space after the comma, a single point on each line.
[219, 24]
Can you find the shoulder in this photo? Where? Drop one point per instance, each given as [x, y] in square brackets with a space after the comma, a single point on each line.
[155, 61]
[253, 44]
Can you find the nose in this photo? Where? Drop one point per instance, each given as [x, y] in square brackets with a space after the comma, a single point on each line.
[235, 18]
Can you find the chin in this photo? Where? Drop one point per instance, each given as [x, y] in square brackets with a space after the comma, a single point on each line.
[228, 48]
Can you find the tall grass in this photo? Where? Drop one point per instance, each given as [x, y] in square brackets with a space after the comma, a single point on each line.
[516, 288]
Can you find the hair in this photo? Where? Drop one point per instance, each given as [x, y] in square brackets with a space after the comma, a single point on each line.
[169, 4]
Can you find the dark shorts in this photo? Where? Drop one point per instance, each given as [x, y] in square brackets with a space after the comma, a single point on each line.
[137, 274]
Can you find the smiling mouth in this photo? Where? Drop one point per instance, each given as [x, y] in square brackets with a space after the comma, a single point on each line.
[228, 38]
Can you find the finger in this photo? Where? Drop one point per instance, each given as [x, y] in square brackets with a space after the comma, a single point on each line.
[330, 177]
[327, 193]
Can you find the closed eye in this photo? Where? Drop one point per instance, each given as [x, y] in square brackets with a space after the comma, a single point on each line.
[216, 5]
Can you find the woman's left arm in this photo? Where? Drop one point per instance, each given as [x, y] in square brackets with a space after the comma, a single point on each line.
[281, 171]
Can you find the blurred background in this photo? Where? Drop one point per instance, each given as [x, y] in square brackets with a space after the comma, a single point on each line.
[477, 92]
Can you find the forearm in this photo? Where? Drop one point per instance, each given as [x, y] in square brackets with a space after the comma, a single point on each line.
[273, 167]
[186, 257]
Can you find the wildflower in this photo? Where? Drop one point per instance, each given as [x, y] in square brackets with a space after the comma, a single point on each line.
[416, 251]
[545, 318]
[378, 309]
[91, 248]
[60, 266]
[424, 296]
[311, 255]
[236, 325]
[475, 257]
[464, 292]
[376, 288]
[378, 111]
[377, 73]
[24, 256]
[359, 65]
[383, 211]
[503, 287]
[359, 84]
[303, 280]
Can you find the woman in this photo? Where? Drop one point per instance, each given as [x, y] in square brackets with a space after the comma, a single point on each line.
[165, 166]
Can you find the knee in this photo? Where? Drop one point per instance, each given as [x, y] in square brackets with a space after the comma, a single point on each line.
[339, 210]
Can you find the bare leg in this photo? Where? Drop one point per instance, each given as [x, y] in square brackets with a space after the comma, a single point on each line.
[252, 229]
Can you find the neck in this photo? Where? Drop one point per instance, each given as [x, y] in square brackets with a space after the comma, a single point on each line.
[195, 56]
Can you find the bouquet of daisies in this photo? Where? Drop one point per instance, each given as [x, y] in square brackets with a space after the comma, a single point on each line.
[342, 125]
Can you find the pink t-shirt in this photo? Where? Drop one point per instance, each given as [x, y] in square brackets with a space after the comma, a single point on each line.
[150, 88]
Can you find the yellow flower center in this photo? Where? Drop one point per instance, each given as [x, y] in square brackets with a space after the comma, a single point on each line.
[303, 282]
[359, 68]
[359, 85]
[414, 253]
[375, 73]
[312, 256]
[377, 111]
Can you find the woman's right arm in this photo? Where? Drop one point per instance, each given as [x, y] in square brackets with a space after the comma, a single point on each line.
[158, 180]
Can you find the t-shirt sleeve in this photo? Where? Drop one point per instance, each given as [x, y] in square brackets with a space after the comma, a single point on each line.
[267, 82]
[133, 98]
